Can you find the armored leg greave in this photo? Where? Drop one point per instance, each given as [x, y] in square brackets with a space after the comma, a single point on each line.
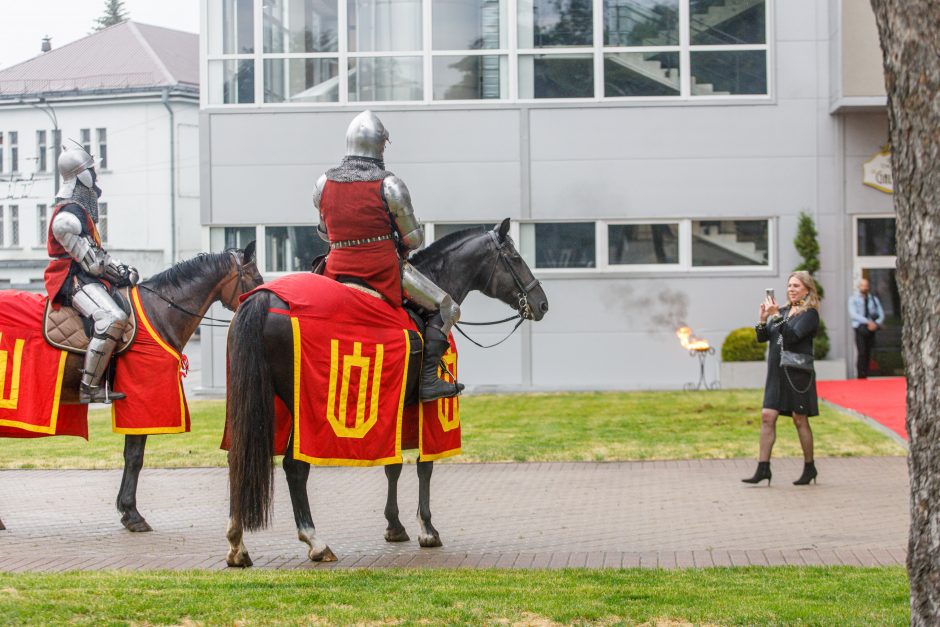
[93, 301]
[421, 290]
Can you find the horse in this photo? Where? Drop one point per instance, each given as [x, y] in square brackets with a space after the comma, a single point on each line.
[260, 353]
[175, 302]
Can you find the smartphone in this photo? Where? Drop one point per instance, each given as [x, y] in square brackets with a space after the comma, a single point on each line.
[769, 294]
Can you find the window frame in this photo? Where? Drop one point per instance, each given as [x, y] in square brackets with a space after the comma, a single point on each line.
[103, 222]
[42, 224]
[14, 226]
[512, 52]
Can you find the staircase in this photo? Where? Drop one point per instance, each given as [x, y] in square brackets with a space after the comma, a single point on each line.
[731, 243]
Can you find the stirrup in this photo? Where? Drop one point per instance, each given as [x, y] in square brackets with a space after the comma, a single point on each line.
[98, 394]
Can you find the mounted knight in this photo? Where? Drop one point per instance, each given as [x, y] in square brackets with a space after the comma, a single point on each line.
[80, 272]
[367, 217]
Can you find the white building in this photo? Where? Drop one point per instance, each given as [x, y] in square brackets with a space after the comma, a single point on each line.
[654, 154]
[129, 94]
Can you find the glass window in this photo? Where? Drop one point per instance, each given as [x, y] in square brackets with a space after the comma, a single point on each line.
[2, 225]
[2, 147]
[876, 237]
[556, 76]
[560, 245]
[86, 139]
[301, 80]
[641, 74]
[225, 237]
[641, 22]
[102, 134]
[40, 151]
[384, 25]
[231, 81]
[730, 242]
[14, 152]
[629, 244]
[14, 225]
[720, 22]
[552, 23]
[443, 230]
[477, 77]
[103, 221]
[292, 248]
[42, 225]
[300, 26]
[231, 27]
[729, 72]
[385, 78]
[469, 24]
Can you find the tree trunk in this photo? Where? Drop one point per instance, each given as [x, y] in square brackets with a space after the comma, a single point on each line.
[910, 40]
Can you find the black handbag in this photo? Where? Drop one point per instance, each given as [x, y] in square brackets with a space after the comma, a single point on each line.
[797, 361]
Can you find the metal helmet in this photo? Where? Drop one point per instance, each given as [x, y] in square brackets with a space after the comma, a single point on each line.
[366, 136]
[74, 165]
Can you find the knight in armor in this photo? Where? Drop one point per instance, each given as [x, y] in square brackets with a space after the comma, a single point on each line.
[80, 271]
[367, 218]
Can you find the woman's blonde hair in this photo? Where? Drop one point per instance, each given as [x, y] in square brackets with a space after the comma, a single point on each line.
[811, 300]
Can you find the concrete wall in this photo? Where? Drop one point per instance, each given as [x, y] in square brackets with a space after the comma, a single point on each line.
[770, 159]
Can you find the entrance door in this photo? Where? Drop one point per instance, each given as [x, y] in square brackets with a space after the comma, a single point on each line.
[875, 260]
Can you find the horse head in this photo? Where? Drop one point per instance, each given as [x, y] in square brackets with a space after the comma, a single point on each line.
[510, 279]
[243, 278]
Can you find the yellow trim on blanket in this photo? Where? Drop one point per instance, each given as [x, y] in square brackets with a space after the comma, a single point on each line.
[331, 461]
[438, 406]
[181, 428]
[54, 417]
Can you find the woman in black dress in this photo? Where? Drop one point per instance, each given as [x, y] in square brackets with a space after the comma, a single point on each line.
[789, 391]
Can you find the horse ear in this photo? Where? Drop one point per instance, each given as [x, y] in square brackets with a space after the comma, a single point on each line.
[503, 229]
[249, 252]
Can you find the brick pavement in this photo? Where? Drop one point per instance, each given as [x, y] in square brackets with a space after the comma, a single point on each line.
[535, 515]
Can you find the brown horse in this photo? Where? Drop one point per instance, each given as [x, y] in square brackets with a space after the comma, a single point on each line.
[175, 302]
[261, 353]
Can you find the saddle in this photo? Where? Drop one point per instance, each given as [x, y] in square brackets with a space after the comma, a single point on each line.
[66, 329]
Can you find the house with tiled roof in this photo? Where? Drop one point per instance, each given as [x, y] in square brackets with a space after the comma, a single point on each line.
[129, 94]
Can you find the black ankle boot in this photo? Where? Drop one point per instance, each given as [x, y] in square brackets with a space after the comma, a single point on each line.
[763, 472]
[432, 386]
[809, 474]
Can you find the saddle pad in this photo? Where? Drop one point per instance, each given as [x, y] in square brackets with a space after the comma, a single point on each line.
[64, 328]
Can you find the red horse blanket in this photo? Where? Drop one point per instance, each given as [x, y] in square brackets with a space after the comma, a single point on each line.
[31, 374]
[351, 353]
[150, 373]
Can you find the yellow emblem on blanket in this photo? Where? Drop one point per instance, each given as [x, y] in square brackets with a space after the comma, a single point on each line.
[356, 360]
[14, 398]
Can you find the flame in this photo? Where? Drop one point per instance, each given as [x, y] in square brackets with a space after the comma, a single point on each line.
[690, 342]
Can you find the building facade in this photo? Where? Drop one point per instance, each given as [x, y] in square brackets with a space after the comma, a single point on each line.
[654, 156]
[129, 95]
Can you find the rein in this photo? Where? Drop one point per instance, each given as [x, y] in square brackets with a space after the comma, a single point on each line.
[522, 296]
[225, 323]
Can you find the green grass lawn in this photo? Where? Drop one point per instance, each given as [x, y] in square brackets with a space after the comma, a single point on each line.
[525, 427]
[739, 596]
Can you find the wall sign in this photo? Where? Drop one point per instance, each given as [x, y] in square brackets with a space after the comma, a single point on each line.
[876, 172]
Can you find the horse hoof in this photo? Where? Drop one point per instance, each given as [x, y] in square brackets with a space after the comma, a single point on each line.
[326, 555]
[137, 526]
[238, 560]
[430, 541]
[2, 528]
[396, 535]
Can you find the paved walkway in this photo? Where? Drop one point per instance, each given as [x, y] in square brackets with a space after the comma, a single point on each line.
[552, 515]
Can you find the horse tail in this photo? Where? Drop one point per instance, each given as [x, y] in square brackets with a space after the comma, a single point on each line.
[250, 413]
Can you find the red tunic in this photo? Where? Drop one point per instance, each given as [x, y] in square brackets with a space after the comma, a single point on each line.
[58, 269]
[354, 211]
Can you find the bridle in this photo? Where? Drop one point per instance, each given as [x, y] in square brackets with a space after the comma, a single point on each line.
[229, 301]
[521, 295]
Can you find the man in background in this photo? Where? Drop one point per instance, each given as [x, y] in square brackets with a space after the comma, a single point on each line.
[867, 316]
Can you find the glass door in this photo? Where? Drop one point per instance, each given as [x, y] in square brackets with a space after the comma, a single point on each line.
[875, 260]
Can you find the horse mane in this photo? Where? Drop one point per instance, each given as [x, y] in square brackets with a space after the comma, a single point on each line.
[189, 269]
[448, 242]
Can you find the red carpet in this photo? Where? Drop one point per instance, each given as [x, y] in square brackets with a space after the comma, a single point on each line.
[882, 400]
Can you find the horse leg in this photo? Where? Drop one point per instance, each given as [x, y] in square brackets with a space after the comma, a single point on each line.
[1, 526]
[395, 532]
[127, 496]
[428, 536]
[237, 553]
[297, 473]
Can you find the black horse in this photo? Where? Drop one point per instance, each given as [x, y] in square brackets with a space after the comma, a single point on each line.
[260, 354]
[175, 302]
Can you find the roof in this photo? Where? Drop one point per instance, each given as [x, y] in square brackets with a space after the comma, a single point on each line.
[125, 57]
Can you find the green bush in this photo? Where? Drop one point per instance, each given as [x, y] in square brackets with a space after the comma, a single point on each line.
[821, 342]
[742, 345]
